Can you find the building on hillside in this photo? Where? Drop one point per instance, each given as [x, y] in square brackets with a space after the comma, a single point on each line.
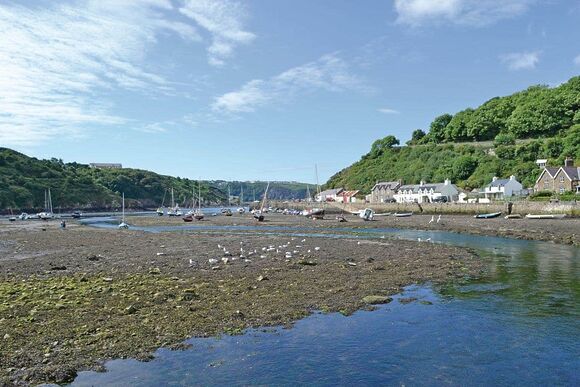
[347, 196]
[541, 163]
[105, 165]
[499, 189]
[427, 193]
[559, 180]
[330, 195]
[384, 191]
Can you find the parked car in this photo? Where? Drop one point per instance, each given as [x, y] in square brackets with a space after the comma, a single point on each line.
[440, 199]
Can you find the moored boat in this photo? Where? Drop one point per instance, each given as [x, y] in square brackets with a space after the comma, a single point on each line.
[487, 216]
[545, 216]
[513, 216]
[402, 214]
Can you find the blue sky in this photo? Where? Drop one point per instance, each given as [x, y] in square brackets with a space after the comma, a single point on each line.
[261, 89]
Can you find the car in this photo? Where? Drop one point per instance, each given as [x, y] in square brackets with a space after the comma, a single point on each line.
[439, 199]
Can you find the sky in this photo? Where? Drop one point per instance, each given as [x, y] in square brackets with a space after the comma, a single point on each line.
[261, 89]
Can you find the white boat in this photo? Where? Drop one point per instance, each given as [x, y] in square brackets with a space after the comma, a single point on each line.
[47, 213]
[367, 214]
[123, 225]
[318, 212]
[545, 216]
[23, 216]
[161, 210]
[241, 210]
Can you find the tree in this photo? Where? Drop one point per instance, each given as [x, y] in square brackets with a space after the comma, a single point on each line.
[490, 119]
[416, 137]
[437, 127]
[457, 128]
[504, 139]
[463, 167]
[544, 113]
[383, 144]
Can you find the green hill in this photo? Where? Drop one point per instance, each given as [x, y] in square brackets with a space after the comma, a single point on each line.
[23, 181]
[504, 136]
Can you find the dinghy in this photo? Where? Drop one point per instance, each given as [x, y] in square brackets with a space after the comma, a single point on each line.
[545, 216]
[123, 225]
[513, 216]
[402, 214]
[487, 216]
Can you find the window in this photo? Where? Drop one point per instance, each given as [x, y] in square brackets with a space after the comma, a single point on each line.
[546, 184]
[562, 179]
[562, 189]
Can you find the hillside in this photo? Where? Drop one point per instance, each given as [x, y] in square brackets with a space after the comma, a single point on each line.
[539, 122]
[23, 181]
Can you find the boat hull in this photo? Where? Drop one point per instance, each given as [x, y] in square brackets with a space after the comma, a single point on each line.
[545, 216]
[488, 216]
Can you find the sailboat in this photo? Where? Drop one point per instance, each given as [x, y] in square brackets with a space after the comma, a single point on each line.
[188, 217]
[241, 209]
[315, 212]
[123, 225]
[198, 215]
[174, 210]
[47, 213]
[227, 211]
[259, 214]
[161, 210]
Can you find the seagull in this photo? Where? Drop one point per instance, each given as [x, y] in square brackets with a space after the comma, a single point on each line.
[382, 237]
[439, 218]
[428, 240]
[358, 243]
[190, 261]
[317, 248]
[213, 261]
[432, 219]
[303, 240]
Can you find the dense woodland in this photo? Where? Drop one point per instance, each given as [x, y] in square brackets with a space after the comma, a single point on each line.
[23, 181]
[504, 136]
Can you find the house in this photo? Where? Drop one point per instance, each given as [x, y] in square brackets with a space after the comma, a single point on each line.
[384, 191]
[105, 165]
[541, 163]
[330, 195]
[503, 188]
[427, 193]
[559, 180]
[347, 196]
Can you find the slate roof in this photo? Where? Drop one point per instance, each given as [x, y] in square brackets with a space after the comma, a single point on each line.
[437, 187]
[330, 192]
[392, 185]
[572, 172]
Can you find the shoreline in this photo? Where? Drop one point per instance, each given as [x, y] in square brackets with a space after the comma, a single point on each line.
[71, 299]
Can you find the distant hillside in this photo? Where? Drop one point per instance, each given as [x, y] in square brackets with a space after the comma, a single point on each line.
[23, 181]
[279, 190]
[539, 122]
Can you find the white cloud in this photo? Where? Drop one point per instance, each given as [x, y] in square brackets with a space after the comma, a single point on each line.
[56, 62]
[463, 12]
[521, 60]
[577, 60]
[329, 73]
[224, 20]
[388, 111]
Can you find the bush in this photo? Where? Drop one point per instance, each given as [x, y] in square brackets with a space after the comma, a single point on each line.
[504, 139]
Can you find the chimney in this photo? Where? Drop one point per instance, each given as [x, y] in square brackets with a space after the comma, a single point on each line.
[422, 182]
[512, 177]
[494, 178]
[569, 162]
[447, 182]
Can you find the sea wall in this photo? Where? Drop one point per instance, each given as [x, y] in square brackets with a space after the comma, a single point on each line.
[519, 207]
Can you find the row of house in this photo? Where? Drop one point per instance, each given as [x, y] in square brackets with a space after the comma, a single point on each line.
[555, 179]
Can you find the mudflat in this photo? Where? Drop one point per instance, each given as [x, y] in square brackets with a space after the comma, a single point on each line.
[73, 298]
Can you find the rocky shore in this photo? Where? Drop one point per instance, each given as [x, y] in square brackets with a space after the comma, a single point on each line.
[72, 298]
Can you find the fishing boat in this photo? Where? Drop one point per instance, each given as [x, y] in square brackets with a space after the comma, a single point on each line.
[402, 214]
[123, 225]
[259, 214]
[545, 216]
[47, 213]
[487, 216]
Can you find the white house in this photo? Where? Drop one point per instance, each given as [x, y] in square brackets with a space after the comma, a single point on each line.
[427, 193]
[330, 195]
[503, 188]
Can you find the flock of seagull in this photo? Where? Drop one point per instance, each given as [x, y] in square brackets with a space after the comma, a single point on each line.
[290, 249]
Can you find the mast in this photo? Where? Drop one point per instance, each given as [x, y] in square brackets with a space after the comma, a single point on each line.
[199, 195]
[241, 194]
[317, 184]
[308, 198]
[229, 197]
[172, 199]
[264, 198]
[49, 201]
[123, 221]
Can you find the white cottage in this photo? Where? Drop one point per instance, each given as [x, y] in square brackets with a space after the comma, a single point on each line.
[427, 192]
[503, 188]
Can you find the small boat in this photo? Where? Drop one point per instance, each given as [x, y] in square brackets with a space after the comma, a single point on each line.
[188, 218]
[367, 214]
[227, 212]
[314, 213]
[47, 214]
[545, 216]
[513, 216]
[487, 216]
[402, 214]
[23, 216]
[123, 225]
[259, 214]
[76, 215]
[161, 210]
[198, 214]
[241, 210]
[341, 218]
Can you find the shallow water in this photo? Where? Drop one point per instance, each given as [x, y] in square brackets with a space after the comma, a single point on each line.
[519, 326]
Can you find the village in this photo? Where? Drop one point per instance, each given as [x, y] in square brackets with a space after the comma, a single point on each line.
[551, 180]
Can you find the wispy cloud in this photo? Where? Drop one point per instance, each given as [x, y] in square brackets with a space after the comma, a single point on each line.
[463, 12]
[224, 20]
[577, 60]
[330, 73]
[57, 63]
[388, 111]
[521, 60]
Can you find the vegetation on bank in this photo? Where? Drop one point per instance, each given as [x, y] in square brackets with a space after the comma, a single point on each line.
[24, 180]
[539, 122]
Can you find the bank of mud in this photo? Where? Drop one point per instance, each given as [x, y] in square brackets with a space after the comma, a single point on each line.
[72, 298]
